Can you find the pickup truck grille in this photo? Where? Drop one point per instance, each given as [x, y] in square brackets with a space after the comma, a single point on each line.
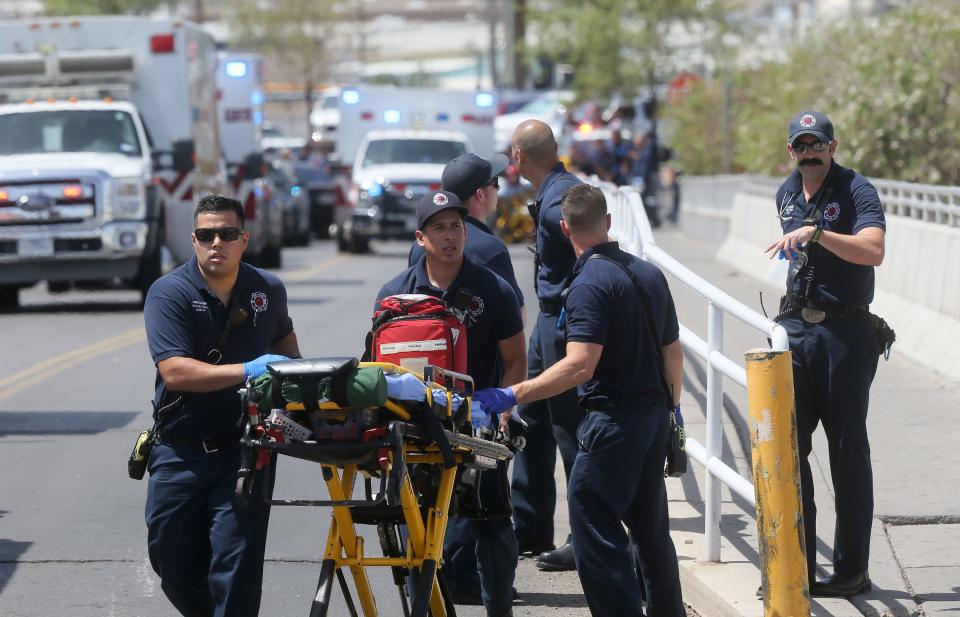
[48, 202]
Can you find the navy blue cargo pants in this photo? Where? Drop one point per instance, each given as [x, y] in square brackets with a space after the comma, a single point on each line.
[617, 479]
[207, 552]
[834, 363]
[552, 424]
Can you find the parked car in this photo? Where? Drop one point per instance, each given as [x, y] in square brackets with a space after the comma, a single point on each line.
[292, 203]
[324, 188]
[272, 140]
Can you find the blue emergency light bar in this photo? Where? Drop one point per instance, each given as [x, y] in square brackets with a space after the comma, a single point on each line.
[236, 68]
[256, 98]
[350, 97]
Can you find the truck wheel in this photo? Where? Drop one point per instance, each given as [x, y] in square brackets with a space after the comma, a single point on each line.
[359, 245]
[9, 298]
[271, 257]
[151, 267]
[320, 222]
[342, 245]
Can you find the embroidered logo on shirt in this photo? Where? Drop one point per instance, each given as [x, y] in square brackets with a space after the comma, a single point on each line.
[200, 306]
[476, 306]
[832, 211]
[258, 301]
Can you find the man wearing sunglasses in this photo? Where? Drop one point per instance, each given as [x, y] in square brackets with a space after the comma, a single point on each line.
[211, 324]
[475, 181]
[833, 235]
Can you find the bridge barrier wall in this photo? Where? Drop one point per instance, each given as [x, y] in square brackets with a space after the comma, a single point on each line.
[918, 290]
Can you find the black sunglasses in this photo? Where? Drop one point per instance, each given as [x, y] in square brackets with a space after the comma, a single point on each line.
[227, 234]
[817, 146]
[495, 183]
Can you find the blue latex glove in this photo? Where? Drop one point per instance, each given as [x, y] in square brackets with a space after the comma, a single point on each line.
[258, 366]
[495, 400]
[478, 417]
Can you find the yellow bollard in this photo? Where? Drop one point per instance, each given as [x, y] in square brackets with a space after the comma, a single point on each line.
[776, 479]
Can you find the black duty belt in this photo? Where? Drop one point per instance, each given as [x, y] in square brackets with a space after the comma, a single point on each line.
[209, 445]
[814, 313]
[551, 307]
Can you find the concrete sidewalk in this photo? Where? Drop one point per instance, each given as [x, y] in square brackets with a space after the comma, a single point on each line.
[915, 557]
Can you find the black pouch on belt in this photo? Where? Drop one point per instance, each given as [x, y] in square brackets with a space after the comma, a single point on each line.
[885, 335]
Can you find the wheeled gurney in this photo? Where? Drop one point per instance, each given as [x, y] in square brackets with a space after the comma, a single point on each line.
[421, 454]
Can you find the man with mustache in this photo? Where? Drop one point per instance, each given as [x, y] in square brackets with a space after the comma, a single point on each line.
[833, 235]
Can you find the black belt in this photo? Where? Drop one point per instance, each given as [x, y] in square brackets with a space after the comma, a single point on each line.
[209, 445]
[814, 313]
[551, 307]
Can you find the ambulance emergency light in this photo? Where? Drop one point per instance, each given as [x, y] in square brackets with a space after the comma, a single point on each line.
[350, 97]
[391, 116]
[484, 99]
[236, 68]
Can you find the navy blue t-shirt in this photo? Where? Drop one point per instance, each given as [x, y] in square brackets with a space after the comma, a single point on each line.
[184, 319]
[556, 253]
[496, 314]
[602, 307]
[484, 249]
[851, 204]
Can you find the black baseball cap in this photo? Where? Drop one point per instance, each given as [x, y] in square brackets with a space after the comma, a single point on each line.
[437, 201]
[810, 123]
[468, 172]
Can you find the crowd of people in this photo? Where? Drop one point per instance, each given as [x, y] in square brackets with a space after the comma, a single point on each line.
[597, 397]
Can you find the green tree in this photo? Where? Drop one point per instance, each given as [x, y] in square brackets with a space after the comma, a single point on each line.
[890, 85]
[99, 7]
[292, 32]
[620, 45]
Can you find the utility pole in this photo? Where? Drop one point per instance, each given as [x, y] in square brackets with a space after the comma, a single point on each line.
[519, 16]
[198, 11]
[493, 14]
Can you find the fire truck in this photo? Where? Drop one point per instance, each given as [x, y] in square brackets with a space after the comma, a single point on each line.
[110, 134]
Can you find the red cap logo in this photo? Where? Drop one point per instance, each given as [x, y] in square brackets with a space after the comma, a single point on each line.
[807, 120]
[440, 199]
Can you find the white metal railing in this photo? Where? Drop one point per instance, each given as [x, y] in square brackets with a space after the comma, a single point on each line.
[632, 229]
[923, 202]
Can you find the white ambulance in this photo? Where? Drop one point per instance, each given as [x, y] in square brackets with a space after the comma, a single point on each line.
[240, 112]
[110, 136]
[399, 140]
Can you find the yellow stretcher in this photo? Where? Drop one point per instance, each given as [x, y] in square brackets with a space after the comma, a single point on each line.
[413, 450]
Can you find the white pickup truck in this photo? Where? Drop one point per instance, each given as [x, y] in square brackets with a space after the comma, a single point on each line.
[76, 198]
[392, 170]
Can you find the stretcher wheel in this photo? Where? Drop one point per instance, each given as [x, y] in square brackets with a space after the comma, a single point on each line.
[241, 493]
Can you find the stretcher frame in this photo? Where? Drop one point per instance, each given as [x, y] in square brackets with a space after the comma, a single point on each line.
[390, 452]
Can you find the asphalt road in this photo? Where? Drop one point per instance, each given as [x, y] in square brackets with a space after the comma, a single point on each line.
[75, 384]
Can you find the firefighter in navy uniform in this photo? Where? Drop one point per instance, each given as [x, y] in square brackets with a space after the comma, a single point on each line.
[495, 355]
[207, 552]
[552, 423]
[834, 229]
[475, 181]
[617, 477]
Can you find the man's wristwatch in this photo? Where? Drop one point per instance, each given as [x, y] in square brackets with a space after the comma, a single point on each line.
[817, 232]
